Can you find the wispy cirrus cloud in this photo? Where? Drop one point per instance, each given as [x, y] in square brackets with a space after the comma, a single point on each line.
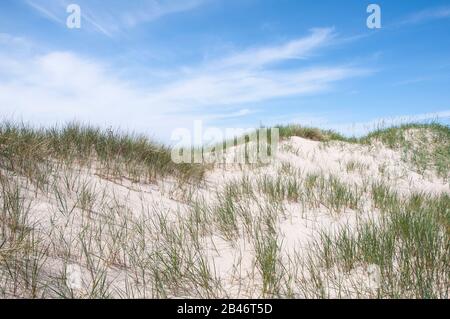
[231, 115]
[46, 11]
[427, 15]
[64, 86]
[295, 49]
[55, 11]
[410, 81]
[115, 16]
[148, 11]
[248, 76]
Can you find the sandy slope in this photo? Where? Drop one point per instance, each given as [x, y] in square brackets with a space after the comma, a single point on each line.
[120, 204]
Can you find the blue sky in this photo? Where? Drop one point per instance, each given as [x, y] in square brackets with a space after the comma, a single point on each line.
[153, 66]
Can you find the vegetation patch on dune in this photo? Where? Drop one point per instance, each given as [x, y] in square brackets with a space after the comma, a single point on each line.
[426, 146]
[32, 152]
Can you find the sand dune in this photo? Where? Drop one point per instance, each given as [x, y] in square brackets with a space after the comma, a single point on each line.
[325, 219]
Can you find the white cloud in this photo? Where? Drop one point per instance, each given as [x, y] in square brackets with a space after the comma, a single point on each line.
[240, 86]
[246, 76]
[61, 86]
